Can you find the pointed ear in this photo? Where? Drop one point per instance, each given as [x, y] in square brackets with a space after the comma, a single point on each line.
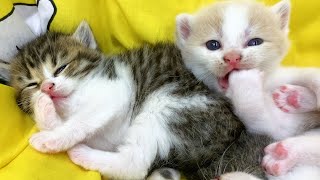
[282, 9]
[183, 28]
[84, 35]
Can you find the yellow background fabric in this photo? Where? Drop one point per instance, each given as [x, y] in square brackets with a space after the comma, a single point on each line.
[119, 25]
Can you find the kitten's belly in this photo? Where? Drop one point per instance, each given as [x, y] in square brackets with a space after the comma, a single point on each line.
[110, 137]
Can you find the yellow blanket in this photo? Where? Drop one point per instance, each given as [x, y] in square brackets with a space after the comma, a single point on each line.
[120, 24]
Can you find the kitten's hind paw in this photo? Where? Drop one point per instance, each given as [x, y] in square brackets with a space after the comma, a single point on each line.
[294, 99]
[279, 158]
[82, 155]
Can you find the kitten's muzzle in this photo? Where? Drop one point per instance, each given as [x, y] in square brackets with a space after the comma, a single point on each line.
[232, 58]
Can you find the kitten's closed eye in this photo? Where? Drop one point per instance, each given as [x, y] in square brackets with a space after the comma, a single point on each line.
[32, 84]
[59, 70]
[213, 45]
[255, 42]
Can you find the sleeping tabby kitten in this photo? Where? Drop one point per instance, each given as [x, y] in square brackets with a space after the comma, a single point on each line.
[121, 115]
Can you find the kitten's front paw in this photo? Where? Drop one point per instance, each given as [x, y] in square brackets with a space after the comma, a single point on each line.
[294, 99]
[244, 81]
[249, 78]
[46, 116]
[280, 157]
[82, 156]
[46, 142]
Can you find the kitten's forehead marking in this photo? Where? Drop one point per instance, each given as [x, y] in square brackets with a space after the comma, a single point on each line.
[46, 72]
[235, 24]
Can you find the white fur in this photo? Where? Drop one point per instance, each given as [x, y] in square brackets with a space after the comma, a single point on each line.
[91, 106]
[237, 176]
[254, 105]
[298, 173]
[156, 175]
[234, 26]
[147, 136]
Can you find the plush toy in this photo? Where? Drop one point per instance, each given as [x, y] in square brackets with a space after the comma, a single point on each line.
[23, 23]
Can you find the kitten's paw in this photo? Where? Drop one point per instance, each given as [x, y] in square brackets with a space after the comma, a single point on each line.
[46, 116]
[294, 99]
[280, 157]
[46, 142]
[245, 81]
[249, 78]
[82, 155]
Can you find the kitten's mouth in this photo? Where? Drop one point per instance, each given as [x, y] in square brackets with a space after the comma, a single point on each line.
[224, 81]
[56, 98]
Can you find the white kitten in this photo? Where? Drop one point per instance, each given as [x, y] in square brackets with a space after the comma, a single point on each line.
[220, 43]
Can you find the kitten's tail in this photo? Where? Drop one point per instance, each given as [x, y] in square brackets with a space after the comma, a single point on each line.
[4, 72]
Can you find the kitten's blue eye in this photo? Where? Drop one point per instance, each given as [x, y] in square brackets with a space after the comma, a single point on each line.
[213, 45]
[59, 70]
[255, 42]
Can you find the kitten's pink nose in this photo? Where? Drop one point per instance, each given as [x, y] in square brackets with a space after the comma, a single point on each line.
[47, 87]
[232, 58]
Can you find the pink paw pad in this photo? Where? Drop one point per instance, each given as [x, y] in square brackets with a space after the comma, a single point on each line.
[292, 99]
[286, 98]
[278, 160]
[280, 151]
[275, 96]
[283, 89]
[295, 99]
[275, 169]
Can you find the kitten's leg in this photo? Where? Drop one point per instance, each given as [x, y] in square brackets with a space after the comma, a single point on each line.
[131, 161]
[295, 99]
[89, 118]
[247, 96]
[281, 156]
[45, 113]
[73, 131]
[256, 108]
[147, 137]
[306, 77]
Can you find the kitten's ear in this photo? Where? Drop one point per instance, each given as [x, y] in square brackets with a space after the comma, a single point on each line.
[183, 28]
[282, 9]
[84, 35]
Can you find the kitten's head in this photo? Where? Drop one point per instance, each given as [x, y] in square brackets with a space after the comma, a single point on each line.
[233, 35]
[53, 65]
